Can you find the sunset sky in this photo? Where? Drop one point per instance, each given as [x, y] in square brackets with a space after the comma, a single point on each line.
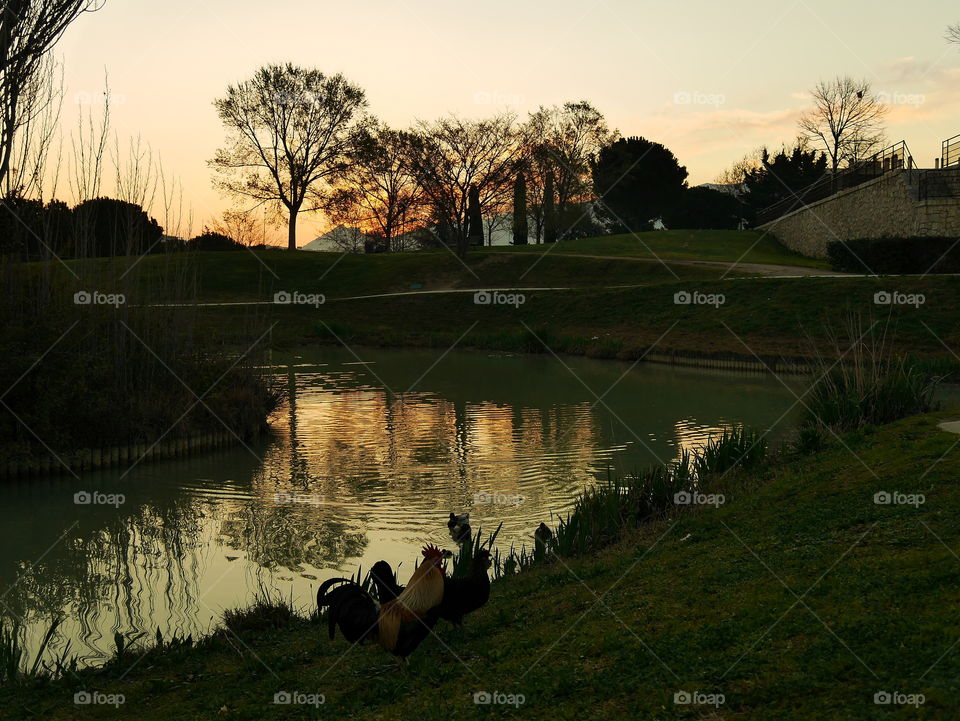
[709, 80]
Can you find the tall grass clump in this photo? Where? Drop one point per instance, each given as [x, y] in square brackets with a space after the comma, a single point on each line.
[860, 381]
[15, 666]
[603, 512]
[84, 374]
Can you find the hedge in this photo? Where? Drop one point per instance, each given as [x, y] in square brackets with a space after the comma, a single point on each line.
[915, 255]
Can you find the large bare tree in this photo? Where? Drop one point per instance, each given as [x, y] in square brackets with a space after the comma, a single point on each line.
[450, 155]
[378, 191]
[846, 119]
[290, 129]
[28, 30]
[953, 33]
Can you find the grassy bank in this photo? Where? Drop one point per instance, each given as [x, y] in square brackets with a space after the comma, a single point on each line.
[767, 317]
[800, 597]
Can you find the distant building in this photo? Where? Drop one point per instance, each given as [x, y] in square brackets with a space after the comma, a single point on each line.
[341, 239]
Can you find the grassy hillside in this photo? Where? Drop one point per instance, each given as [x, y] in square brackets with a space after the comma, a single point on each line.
[744, 246]
[605, 307]
[243, 275]
[769, 317]
[799, 598]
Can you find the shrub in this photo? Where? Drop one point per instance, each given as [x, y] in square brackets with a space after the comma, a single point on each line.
[862, 381]
[208, 240]
[896, 255]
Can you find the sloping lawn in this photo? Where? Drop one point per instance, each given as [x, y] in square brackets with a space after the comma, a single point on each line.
[744, 246]
[798, 598]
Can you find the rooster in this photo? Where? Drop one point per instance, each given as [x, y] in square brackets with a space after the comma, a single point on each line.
[465, 595]
[405, 615]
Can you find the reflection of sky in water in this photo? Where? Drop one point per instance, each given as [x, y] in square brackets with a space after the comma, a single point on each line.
[352, 474]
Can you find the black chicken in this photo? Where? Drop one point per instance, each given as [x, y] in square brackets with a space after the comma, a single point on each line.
[386, 583]
[465, 595]
[351, 608]
[405, 616]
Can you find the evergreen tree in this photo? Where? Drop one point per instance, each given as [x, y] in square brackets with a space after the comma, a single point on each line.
[520, 210]
[474, 217]
[549, 211]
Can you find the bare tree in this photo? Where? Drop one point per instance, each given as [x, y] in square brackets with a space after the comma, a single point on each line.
[953, 33]
[87, 146]
[38, 144]
[28, 30]
[847, 120]
[737, 173]
[290, 129]
[378, 191]
[565, 139]
[137, 174]
[242, 226]
[450, 155]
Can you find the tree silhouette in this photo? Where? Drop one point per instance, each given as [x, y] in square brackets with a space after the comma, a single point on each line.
[377, 191]
[705, 209]
[450, 155]
[28, 30]
[474, 216]
[637, 182]
[549, 210]
[783, 175]
[290, 128]
[520, 232]
[846, 118]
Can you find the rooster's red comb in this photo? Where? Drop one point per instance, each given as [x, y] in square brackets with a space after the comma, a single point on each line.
[431, 552]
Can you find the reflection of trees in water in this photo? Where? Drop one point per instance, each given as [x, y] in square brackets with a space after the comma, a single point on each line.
[293, 535]
[138, 570]
[408, 455]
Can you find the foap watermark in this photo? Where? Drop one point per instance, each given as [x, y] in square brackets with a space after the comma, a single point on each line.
[296, 99]
[894, 98]
[898, 698]
[686, 297]
[496, 698]
[894, 297]
[295, 297]
[87, 98]
[309, 499]
[694, 498]
[895, 498]
[487, 97]
[95, 698]
[485, 498]
[95, 297]
[96, 498]
[298, 698]
[496, 297]
[684, 97]
[697, 698]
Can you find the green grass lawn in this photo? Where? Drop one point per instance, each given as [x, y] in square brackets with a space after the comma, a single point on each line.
[617, 308]
[243, 275]
[799, 598]
[743, 246]
[769, 317]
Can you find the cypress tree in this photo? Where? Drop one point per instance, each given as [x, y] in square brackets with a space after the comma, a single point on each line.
[474, 217]
[549, 211]
[520, 209]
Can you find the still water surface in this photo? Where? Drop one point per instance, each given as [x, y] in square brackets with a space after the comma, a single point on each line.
[367, 458]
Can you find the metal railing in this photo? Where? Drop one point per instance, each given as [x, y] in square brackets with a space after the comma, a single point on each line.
[950, 152]
[896, 157]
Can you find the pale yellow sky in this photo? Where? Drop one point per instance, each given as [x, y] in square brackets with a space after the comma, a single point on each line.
[709, 80]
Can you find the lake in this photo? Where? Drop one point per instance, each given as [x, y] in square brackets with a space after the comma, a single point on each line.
[367, 457]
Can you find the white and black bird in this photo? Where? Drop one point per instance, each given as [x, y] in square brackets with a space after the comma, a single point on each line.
[459, 525]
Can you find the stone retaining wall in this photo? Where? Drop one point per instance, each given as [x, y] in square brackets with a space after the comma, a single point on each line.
[885, 206]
